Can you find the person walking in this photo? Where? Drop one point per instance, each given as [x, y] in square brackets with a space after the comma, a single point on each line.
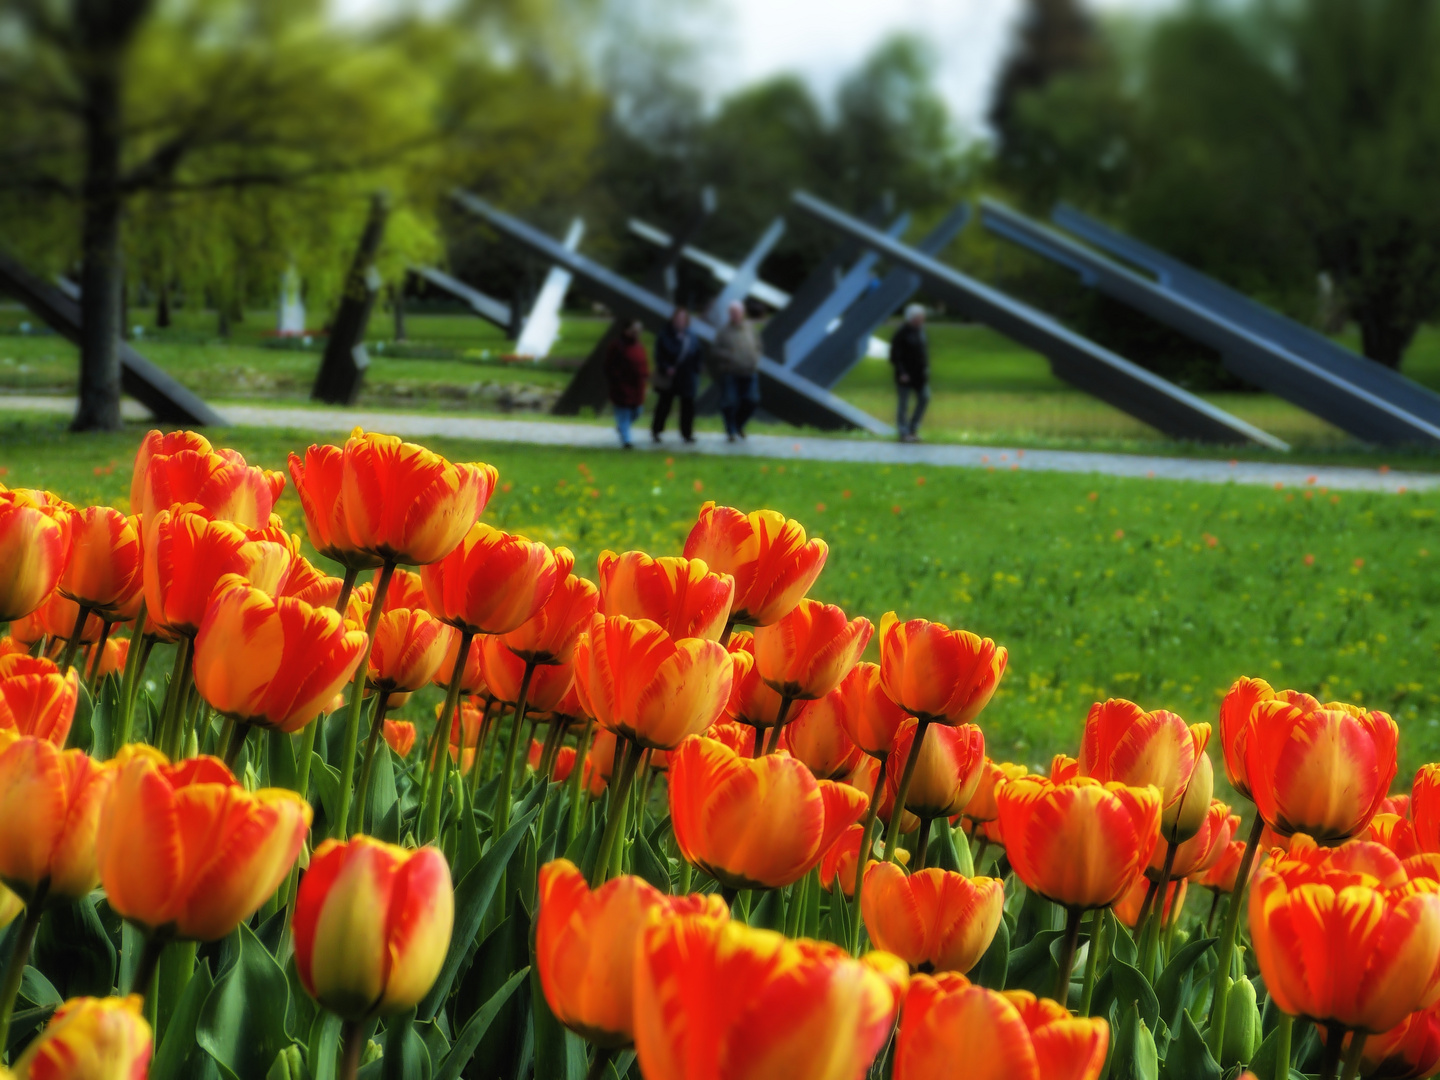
[910, 356]
[627, 370]
[735, 364]
[677, 373]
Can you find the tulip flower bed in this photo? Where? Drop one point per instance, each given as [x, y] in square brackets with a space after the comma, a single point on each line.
[665, 824]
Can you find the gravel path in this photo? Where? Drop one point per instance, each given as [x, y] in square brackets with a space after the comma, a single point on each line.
[873, 451]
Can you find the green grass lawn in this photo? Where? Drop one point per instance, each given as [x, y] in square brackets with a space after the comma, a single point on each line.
[985, 388]
[1162, 592]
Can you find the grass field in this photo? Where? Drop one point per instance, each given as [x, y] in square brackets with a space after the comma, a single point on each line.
[1158, 591]
[985, 389]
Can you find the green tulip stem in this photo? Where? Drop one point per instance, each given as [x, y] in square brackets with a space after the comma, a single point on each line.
[897, 812]
[501, 815]
[19, 957]
[307, 751]
[357, 692]
[98, 656]
[347, 586]
[1283, 1028]
[1157, 913]
[773, 741]
[867, 838]
[227, 736]
[74, 643]
[922, 847]
[1070, 944]
[482, 743]
[147, 970]
[603, 1056]
[619, 804]
[134, 661]
[1353, 1055]
[577, 778]
[435, 773]
[1098, 926]
[352, 1044]
[1227, 938]
[172, 723]
[367, 766]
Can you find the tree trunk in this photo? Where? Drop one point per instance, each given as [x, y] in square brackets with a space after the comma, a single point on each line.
[162, 308]
[99, 407]
[1385, 334]
[397, 305]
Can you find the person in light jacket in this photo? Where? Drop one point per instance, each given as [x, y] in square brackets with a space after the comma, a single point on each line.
[910, 356]
[735, 365]
[677, 374]
[627, 370]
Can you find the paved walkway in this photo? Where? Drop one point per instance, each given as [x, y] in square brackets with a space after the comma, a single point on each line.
[805, 447]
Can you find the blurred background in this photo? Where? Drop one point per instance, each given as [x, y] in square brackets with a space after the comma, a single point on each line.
[178, 160]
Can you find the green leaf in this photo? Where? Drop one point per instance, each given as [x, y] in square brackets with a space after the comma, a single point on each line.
[1131, 987]
[242, 1024]
[405, 1057]
[102, 719]
[1134, 1056]
[1122, 945]
[74, 950]
[178, 1051]
[1188, 1058]
[991, 971]
[552, 1050]
[504, 951]
[38, 990]
[769, 912]
[475, 1028]
[22, 1023]
[81, 736]
[327, 782]
[838, 921]
[1032, 967]
[650, 866]
[944, 852]
[472, 900]
[280, 754]
[1172, 988]
[324, 1050]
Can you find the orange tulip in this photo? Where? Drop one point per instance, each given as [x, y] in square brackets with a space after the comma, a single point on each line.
[372, 925]
[1202, 849]
[1080, 843]
[585, 944]
[867, 714]
[937, 674]
[163, 444]
[1009, 1036]
[751, 702]
[317, 483]
[35, 699]
[503, 672]
[58, 615]
[219, 484]
[754, 822]
[1399, 805]
[472, 681]
[309, 583]
[1393, 832]
[641, 683]
[805, 653]
[934, 920]
[1425, 807]
[188, 557]
[1236, 710]
[718, 1000]
[682, 595]
[1221, 874]
[947, 772]
[1408, 1051]
[408, 650]
[1063, 767]
[1127, 908]
[90, 1039]
[1323, 771]
[34, 547]
[1126, 745]
[600, 762]
[768, 556]
[400, 734]
[112, 659]
[272, 663]
[841, 859]
[818, 738]
[185, 846]
[982, 805]
[104, 569]
[736, 736]
[50, 802]
[1342, 937]
[550, 635]
[493, 582]
[406, 505]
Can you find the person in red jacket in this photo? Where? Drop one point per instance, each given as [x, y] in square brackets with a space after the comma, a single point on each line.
[627, 371]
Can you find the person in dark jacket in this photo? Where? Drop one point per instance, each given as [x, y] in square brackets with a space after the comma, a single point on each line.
[627, 370]
[677, 374]
[910, 356]
[735, 365]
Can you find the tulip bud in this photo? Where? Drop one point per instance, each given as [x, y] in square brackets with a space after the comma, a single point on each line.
[288, 1065]
[1183, 819]
[1242, 1025]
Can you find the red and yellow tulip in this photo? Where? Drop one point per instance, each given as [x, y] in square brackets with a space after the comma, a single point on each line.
[181, 469]
[772, 563]
[104, 572]
[492, 582]
[35, 699]
[1009, 1036]
[586, 941]
[400, 736]
[1080, 843]
[947, 771]
[937, 674]
[34, 548]
[639, 682]
[549, 637]
[934, 920]
[87, 1038]
[372, 925]
[680, 594]
[982, 806]
[754, 822]
[818, 738]
[503, 671]
[50, 806]
[718, 1000]
[806, 652]
[317, 482]
[868, 715]
[405, 504]
[186, 847]
[272, 663]
[188, 555]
